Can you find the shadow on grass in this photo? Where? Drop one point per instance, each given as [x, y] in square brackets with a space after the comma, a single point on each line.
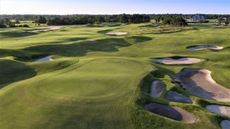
[138, 39]
[67, 40]
[80, 49]
[16, 34]
[12, 71]
[21, 55]
[104, 31]
[70, 50]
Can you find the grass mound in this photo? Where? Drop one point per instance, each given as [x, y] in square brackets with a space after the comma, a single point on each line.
[12, 71]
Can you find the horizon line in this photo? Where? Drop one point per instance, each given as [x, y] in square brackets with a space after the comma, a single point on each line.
[121, 13]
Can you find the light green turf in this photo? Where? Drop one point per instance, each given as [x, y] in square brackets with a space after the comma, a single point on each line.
[98, 81]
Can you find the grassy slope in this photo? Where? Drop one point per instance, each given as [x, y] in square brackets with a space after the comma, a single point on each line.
[96, 79]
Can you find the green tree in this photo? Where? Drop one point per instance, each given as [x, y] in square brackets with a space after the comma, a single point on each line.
[41, 20]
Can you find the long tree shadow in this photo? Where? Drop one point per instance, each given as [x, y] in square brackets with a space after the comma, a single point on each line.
[12, 71]
[16, 34]
[104, 31]
[70, 50]
[138, 39]
[80, 49]
[67, 40]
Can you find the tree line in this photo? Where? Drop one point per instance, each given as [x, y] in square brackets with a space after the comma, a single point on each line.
[166, 19]
[96, 19]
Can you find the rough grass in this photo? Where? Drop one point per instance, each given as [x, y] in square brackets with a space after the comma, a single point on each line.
[99, 81]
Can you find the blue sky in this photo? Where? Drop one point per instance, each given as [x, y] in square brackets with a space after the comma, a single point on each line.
[113, 6]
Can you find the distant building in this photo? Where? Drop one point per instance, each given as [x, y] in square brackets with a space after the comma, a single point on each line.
[198, 18]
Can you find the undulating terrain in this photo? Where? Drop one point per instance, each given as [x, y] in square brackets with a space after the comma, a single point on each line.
[98, 81]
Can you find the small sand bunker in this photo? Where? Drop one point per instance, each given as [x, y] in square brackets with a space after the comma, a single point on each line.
[177, 61]
[157, 88]
[202, 47]
[174, 113]
[44, 59]
[219, 110]
[117, 33]
[55, 27]
[199, 82]
[225, 124]
[176, 97]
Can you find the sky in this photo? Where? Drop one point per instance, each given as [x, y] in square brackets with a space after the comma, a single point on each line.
[114, 6]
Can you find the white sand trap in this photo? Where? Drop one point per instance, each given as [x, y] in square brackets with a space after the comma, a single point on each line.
[219, 110]
[199, 82]
[174, 113]
[157, 88]
[225, 124]
[55, 27]
[177, 61]
[44, 59]
[202, 47]
[46, 29]
[117, 33]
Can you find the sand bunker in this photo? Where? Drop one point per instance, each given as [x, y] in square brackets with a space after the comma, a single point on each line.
[201, 47]
[37, 31]
[55, 27]
[225, 124]
[171, 112]
[157, 88]
[46, 29]
[219, 110]
[199, 82]
[117, 33]
[44, 59]
[176, 97]
[177, 61]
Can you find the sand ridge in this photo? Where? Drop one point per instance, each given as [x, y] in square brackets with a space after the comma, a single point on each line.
[219, 110]
[157, 88]
[177, 97]
[174, 113]
[199, 82]
[202, 47]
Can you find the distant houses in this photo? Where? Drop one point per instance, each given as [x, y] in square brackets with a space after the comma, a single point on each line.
[198, 18]
[223, 21]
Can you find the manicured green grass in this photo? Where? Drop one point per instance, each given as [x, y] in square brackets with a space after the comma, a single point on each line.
[98, 81]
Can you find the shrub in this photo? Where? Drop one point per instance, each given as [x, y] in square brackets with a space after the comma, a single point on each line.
[2, 26]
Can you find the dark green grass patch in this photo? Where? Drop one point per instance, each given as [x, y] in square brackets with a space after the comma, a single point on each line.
[12, 71]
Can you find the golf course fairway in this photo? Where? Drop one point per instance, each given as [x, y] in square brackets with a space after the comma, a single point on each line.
[100, 81]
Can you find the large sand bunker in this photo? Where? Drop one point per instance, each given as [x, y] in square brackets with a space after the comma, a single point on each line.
[171, 112]
[199, 82]
[46, 29]
[176, 97]
[225, 124]
[177, 61]
[117, 33]
[157, 88]
[220, 110]
[44, 59]
[201, 47]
